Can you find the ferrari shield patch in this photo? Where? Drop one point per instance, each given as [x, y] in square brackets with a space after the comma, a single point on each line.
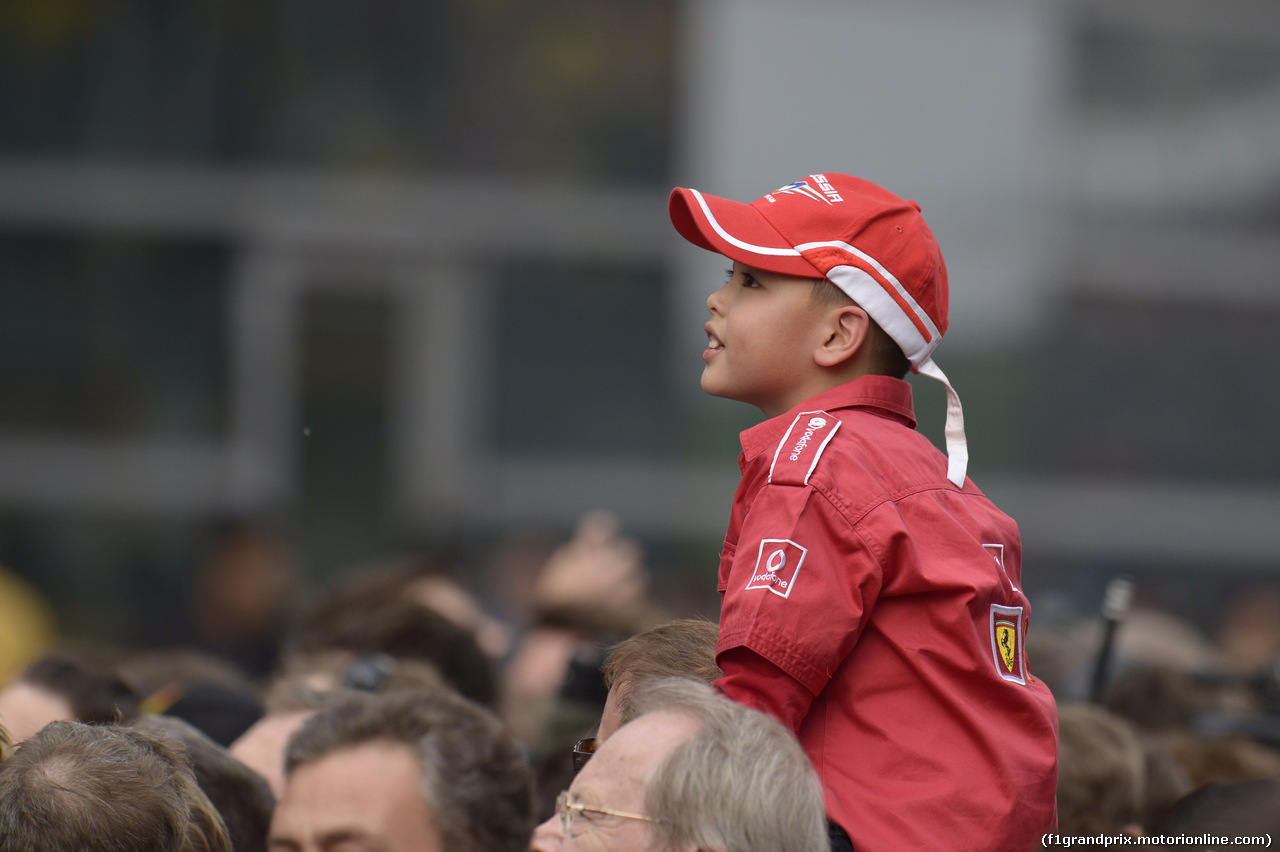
[1006, 642]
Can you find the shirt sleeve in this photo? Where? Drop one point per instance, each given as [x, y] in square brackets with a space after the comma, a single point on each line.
[754, 681]
[796, 590]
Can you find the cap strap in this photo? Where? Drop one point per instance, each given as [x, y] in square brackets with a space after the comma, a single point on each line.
[957, 444]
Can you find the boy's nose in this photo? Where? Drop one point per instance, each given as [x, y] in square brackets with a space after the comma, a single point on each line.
[713, 301]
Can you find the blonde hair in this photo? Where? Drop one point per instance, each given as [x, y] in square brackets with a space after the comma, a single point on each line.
[742, 783]
[1102, 786]
[685, 647]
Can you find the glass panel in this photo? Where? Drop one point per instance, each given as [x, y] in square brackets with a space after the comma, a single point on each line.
[113, 336]
[579, 366]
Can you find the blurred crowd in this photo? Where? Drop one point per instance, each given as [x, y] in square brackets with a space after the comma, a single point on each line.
[423, 704]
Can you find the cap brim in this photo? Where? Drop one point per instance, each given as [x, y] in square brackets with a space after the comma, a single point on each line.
[737, 231]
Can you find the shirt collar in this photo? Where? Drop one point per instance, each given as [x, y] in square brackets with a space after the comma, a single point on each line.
[884, 396]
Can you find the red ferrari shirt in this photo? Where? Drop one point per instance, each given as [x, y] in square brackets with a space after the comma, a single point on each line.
[876, 609]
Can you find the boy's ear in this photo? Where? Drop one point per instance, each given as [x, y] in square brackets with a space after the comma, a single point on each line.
[846, 332]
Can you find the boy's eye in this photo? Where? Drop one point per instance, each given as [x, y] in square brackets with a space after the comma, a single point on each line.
[747, 279]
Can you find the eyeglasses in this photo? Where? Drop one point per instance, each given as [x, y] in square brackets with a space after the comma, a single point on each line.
[566, 810]
[582, 751]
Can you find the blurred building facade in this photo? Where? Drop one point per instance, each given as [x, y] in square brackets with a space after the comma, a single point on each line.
[407, 274]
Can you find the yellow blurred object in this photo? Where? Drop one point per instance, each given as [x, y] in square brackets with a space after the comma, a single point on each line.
[27, 625]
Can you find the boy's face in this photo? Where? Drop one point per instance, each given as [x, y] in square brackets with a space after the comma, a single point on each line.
[761, 339]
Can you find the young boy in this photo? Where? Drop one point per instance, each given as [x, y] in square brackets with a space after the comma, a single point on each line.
[870, 593]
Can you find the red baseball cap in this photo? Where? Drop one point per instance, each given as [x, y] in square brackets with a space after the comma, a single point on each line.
[865, 240]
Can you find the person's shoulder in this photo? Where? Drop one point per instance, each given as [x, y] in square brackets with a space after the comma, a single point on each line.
[871, 459]
[801, 448]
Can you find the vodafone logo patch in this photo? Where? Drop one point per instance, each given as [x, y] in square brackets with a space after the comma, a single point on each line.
[798, 452]
[777, 565]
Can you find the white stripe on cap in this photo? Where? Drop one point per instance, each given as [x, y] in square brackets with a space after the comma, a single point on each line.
[920, 313]
[732, 240]
[869, 293]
